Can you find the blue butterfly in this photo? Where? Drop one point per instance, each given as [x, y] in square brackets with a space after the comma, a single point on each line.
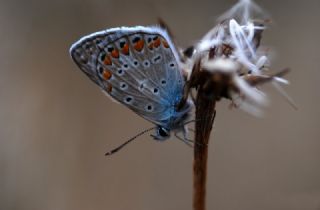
[140, 68]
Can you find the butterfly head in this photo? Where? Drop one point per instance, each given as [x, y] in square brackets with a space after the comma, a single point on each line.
[162, 133]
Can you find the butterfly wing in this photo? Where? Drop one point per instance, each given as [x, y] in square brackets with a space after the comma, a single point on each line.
[137, 66]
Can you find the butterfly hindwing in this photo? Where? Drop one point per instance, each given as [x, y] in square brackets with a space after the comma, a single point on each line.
[136, 66]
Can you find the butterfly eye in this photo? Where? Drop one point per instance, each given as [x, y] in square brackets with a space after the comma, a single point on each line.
[163, 132]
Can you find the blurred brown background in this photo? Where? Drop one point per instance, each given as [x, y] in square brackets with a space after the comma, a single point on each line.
[55, 124]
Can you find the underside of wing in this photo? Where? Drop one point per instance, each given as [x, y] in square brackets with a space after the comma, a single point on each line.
[138, 67]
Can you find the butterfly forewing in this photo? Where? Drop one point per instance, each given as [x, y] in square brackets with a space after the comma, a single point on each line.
[136, 66]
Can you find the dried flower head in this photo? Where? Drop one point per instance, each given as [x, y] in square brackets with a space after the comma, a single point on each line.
[229, 56]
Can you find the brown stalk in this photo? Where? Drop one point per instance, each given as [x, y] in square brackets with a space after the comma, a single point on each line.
[209, 89]
[205, 110]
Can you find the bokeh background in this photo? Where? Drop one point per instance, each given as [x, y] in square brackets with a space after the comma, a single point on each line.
[56, 125]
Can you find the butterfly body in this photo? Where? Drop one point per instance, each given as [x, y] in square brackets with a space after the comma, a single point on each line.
[140, 68]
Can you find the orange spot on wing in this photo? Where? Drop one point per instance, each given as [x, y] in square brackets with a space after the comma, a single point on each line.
[165, 44]
[109, 88]
[150, 46]
[107, 60]
[125, 49]
[157, 42]
[139, 45]
[107, 74]
[115, 53]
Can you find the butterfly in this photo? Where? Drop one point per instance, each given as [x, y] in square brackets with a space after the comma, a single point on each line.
[140, 68]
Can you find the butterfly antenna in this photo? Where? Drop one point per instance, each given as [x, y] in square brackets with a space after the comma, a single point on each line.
[127, 142]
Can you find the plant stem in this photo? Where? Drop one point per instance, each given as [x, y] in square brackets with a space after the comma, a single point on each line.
[205, 111]
[209, 90]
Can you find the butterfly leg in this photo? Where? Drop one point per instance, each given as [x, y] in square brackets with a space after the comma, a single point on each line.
[185, 136]
[185, 132]
[184, 140]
